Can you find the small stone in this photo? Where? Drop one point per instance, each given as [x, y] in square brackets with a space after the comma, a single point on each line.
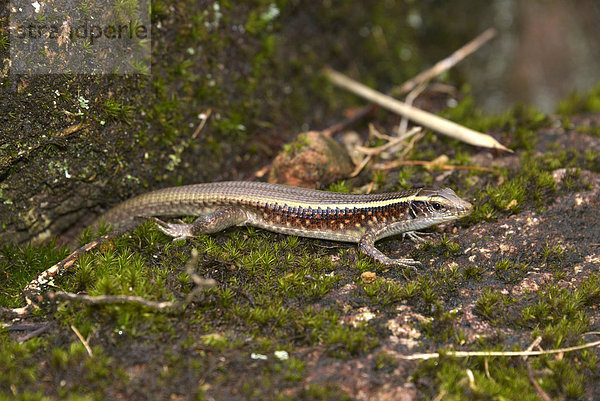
[368, 277]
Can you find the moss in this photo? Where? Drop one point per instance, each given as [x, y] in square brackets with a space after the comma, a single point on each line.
[404, 175]
[281, 273]
[532, 185]
[560, 314]
[509, 196]
[298, 144]
[19, 366]
[262, 18]
[472, 272]
[443, 248]
[379, 177]
[510, 271]
[491, 305]
[4, 41]
[441, 327]
[577, 103]
[323, 392]
[22, 371]
[592, 130]
[385, 362]
[113, 109]
[340, 186]
[387, 292]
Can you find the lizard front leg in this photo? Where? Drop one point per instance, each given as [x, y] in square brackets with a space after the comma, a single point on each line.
[367, 246]
[216, 221]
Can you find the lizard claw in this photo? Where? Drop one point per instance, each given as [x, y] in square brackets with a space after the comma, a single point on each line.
[414, 236]
[406, 262]
[177, 231]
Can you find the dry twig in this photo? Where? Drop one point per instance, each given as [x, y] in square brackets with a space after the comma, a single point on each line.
[447, 63]
[83, 341]
[199, 282]
[33, 291]
[538, 389]
[200, 127]
[467, 354]
[398, 163]
[34, 295]
[392, 142]
[34, 333]
[410, 98]
[421, 117]
[534, 344]
[362, 165]
[72, 129]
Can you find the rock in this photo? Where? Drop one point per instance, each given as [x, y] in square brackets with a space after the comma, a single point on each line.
[312, 160]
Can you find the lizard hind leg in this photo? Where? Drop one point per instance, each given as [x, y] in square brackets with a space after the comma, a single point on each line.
[216, 221]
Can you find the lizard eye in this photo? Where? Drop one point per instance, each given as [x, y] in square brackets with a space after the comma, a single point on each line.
[436, 206]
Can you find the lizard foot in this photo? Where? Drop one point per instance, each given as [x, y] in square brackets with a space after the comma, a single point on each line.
[178, 231]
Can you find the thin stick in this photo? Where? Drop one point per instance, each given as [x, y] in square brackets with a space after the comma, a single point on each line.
[83, 341]
[421, 117]
[467, 354]
[410, 98]
[538, 389]
[398, 163]
[375, 132]
[33, 291]
[362, 165]
[393, 142]
[34, 333]
[486, 368]
[446, 63]
[110, 300]
[430, 73]
[534, 344]
[200, 126]
[411, 145]
[72, 129]
[200, 285]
